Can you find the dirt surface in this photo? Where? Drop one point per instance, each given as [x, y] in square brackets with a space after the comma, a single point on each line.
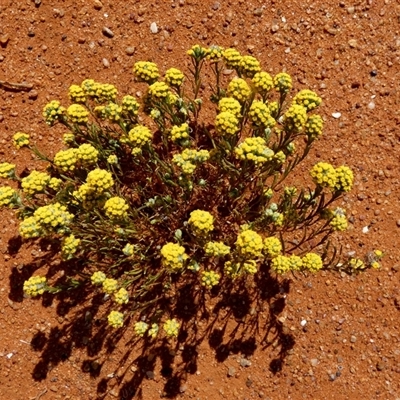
[349, 345]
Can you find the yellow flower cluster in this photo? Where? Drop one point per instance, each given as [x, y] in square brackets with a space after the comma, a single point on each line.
[116, 319]
[356, 264]
[68, 138]
[295, 118]
[339, 223]
[283, 82]
[249, 66]
[173, 256]
[308, 99]
[214, 53]
[202, 222]
[66, 159]
[146, 71]
[99, 180]
[280, 157]
[226, 124]
[312, 262]
[29, 228]
[116, 208]
[76, 94]
[324, 175]
[112, 159]
[128, 249]
[232, 58]
[345, 177]
[249, 267]
[188, 158]
[130, 105]
[273, 108]
[197, 52]
[7, 170]
[260, 115]
[153, 331]
[254, 149]
[55, 183]
[20, 139]
[296, 263]
[89, 87]
[110, 285]
[159, 90]
[249, 243]
[106, 92]
[210, 279]
[8, 196]
[122, 296]
[140, 328]
[174, 77]
[77, 114]
[53, 217]
[280, 264]
[231, 105]
[52, 112]
[87, 154]
[171, 327]
[239, 89]
[179, 132]
[98, 278]
[35, 286]
[272, 246]
[314, 125]
[35, 182]
[216, 249]
[140, 135]
[69, 247]
[113, 112]
[263, 82]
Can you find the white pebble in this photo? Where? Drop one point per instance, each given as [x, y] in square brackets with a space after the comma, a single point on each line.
[371, 105]
[106, 63]
[336, 115]
[365, 229]
[154, 27]
[303, 322]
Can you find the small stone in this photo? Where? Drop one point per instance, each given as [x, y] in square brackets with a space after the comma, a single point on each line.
[353, 43]
[130, 51]
[244, 362]
[53, 388]
[216, 6]
[107, 32]
[258, 12]
[332, 377]
[373, 73]
[106, 63]
[231, 372]
[314, 362]
[249, 382]
[33, 95]
[380, 366]
[4, 40]
[150, 374]
[81, 40]
[365, 229]
[153, 27]
[398, 223]
[97, 5]
[353, 339]
[336, 115]
[31, 34]
[371, 105]
[183, 388]
[274, 28]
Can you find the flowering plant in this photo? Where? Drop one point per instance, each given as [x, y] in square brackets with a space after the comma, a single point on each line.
[146, 195]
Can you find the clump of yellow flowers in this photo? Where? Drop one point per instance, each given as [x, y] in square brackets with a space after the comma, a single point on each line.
[151, 197]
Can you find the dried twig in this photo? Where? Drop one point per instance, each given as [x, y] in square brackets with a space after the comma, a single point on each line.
[39, 395]
[16, 86]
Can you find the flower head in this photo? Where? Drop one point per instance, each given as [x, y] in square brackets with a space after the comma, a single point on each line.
[313, 127]
[171, 327]
[232, 58]
[202, 222]
[231, 105]
[210, 279]
[179, 132]
[344, 179]
[110, 285]
[280, 264]
[239, 90]
[35, 286]
[87, 154]
[116, 319]
[130, 106]
[249, 66]
[174, 77]
[140, 135]
[77, 114]
[283, 82]
[76, 94]
[249, 243]
[260, 115]
[216, 249]
[35, 182]
[121, 296]
[141, 328]
[295, 118]
[312, 262]
[263, 82]
[20, 139]
[8, 196]
[53, 112]
[159, 90]
[69, 247]
[308, 99]
[116, 208]
[146, 71]
[98, 278]
[254, 149]
[7, 170]
[173, 257]
[272, 246]
[324, 175]
[226, 124]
